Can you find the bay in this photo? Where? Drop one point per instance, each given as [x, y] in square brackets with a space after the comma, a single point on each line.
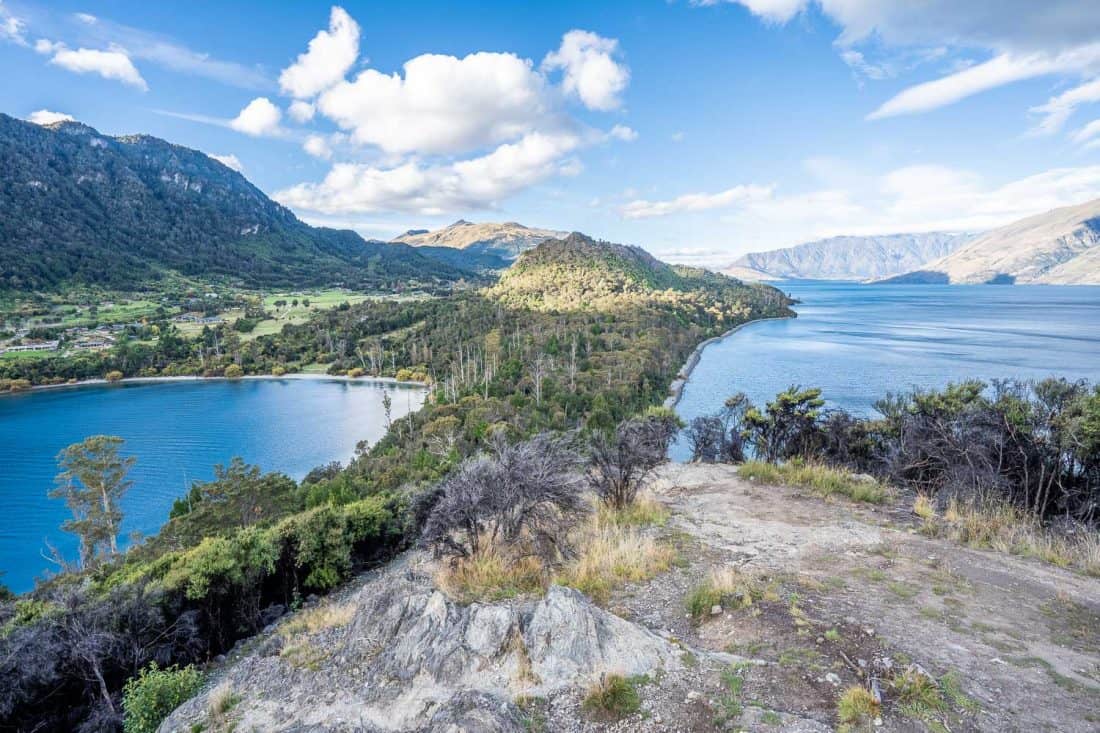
[177, 431]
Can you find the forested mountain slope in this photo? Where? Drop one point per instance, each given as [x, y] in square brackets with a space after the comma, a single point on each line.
[81, 208]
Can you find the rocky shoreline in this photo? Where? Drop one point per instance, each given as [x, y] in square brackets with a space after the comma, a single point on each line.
[676, 389]
[190, 378]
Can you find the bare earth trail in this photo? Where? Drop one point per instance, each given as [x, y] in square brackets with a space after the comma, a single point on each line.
[1022, 638]
[841, 594]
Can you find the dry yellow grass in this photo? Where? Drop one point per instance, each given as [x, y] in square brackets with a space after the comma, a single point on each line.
[491, 575]
[1004, 528]
[645, 511]
[221, 701]
[610, 555]
[328, 616]
[923, 507]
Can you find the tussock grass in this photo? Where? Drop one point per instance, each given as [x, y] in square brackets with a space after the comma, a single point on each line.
[221, 701]
[1005, 528]
[491, 575]
[857, 706]
[822, 480]
[644, 511]
[612, 698]
[611, 555]
[726, 587]
[328, 616]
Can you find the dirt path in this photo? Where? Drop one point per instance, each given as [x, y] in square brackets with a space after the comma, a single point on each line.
[846, 590]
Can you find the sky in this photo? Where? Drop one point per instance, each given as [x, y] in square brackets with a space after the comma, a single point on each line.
[700, 130]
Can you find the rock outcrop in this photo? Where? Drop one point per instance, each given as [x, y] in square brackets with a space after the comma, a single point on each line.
[412, 659]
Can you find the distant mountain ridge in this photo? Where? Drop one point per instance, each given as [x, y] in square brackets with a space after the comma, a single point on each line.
[1059, 247]
[82, 208]
[505, 240]
[848, 257]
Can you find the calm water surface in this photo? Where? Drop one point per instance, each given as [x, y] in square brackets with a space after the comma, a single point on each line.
[858, 342]
[177, 431]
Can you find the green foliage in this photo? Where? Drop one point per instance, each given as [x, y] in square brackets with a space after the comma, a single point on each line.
[148, 698]
[823, 480]
[614, 697]
[92, 482]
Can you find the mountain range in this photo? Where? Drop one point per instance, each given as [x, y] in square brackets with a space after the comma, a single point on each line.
[82, 208]
[848, 257]
[1059, 247]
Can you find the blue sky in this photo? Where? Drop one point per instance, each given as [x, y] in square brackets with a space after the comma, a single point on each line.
[699, 130]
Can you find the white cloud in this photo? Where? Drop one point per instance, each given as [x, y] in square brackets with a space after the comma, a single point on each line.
[318, 147]
[12, 28]
[229, 161]
[301, 111]
[1057, 111]
[1025, 39]
[113, 64]
[642, 209]
[591, 72]
[434, 189]
[47, 117]
[442, 104]
[260, 117]
[947, 90]
[678, 136]
[1088, 134]
[331, 53]
[624, 133]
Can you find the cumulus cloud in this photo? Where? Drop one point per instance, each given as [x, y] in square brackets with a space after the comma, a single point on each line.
[431, 189]
[301, 111]
[331, 53]
[590, 70]
[229, 161]
[112, 64]
[442, 104]
[47, 117]
[642, 209]
[318, 146]
[259, 117]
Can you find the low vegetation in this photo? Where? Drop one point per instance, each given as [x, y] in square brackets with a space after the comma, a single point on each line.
[823, 480]
[612, 698]
[154, 692]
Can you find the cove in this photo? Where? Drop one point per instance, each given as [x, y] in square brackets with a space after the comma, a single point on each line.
[859, 342]
[178, 431]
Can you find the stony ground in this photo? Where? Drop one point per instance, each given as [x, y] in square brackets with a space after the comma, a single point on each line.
[843, 594]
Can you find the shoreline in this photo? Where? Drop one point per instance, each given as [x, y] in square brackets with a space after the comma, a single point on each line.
[195, 378]
[676, 389]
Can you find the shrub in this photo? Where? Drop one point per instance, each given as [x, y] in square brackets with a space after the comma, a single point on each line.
[278, 371]
[113, 376]
[529, 492]
[621, 462]
[148, 698]
[613, 697]
[355, 373]
[724, 587]
[233, 371]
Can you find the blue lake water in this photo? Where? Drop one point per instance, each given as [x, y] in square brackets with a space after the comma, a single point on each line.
[177, 431]
[858, 342]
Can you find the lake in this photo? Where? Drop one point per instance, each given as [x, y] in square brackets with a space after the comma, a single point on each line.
[858, 342]
[177, 430]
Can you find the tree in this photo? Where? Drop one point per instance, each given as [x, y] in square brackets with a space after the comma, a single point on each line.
[788, 426]
[705, 436]
[92, 482]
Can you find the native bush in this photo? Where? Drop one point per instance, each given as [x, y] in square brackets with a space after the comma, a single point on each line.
[620, 462]
[148, 698]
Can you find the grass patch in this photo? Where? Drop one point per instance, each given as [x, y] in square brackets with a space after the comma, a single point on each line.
[221, 701]
[644, 511]
[729, 704]
[611, 555]
[822, 480]
[857, 706]
[903, 590]
[725, 587]
[1005, 528]
[612, 698]
[328, 616]
[491, 575]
